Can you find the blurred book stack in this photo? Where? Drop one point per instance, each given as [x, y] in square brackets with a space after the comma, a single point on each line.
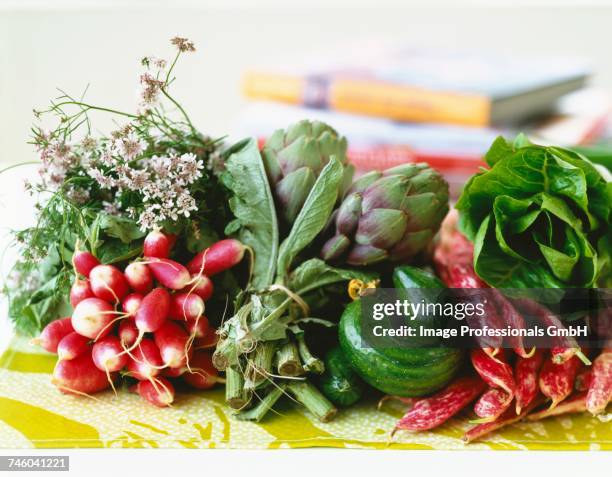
[400, 105]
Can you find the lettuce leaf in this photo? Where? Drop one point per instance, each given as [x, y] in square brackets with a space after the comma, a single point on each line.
[539, 217]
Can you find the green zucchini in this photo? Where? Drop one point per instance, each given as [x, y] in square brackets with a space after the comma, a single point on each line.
[339, 383]
[406, 277]
[407, 372]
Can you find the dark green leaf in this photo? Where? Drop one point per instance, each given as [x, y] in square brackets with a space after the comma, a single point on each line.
[122, 228]
[253, 207]
[314, 215]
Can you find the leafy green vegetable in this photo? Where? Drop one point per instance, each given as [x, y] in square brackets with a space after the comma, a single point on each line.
[253, 207]
[285, 277]
[315, 273]
[313, 216]
[536, 217]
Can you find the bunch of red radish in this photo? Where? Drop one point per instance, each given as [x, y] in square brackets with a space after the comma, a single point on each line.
[146, 322]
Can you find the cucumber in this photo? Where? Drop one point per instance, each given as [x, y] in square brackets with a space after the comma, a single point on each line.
[406, 372]
[412, 277]
[339, 383]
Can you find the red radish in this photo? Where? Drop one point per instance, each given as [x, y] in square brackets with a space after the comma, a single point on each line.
[172, 341]
[186, 307]
[159, 393]
[79, 291]
[79, 376]
[203, 374]
[108, 283]
[153, 310]
[218, 257]
[157, 244]
[174, 372]
[131, 303]
[201, 286]
[53, 333]
[92, 318]
[139, 277]
[197, 328]
[128, 333]
[208, 341]
[172, 238]
[169, 273]
[72, 345]
[108, 354]
[145, 362]
[83, 262]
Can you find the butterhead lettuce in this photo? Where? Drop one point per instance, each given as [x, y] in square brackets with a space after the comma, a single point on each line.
[539, 217]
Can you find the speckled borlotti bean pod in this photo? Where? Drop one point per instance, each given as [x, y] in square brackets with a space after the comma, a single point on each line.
[600, 388]
[573, 404]
[557, 380]
[565, 347]
[508, 417]
[492, 404]
[526, 376]
[433, 411]
[495, 372]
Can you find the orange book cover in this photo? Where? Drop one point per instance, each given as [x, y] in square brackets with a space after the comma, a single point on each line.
[425, 86]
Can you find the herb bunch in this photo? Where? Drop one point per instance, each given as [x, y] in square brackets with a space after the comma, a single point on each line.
[104, 192]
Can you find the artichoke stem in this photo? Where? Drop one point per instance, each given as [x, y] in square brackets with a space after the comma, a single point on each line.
[288, 360]
[236, 396]
[257, 412]
[313, 400]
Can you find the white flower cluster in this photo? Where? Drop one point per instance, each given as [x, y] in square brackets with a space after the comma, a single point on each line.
[56, 160]
[119, 166]
[166, 194]
[162, 181]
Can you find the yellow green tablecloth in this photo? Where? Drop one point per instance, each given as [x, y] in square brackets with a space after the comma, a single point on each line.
[34, 414]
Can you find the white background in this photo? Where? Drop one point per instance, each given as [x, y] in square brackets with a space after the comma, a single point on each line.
[70, 44]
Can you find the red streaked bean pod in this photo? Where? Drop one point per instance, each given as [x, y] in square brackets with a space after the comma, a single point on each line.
[600, 388]
[564, 346]
[433, 411]
[526, 377]
[492, 404]
[573, 404]
[583, 379]
[495, 372]
[507, 418]
[511, 317]
[557, 380]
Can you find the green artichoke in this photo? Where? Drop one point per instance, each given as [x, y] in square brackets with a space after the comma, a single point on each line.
[390, 215]
[294, 158]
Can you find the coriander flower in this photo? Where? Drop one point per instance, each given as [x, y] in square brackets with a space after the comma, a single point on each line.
[183, 44]
[78, 195]
[150, 89]
[105, 182]
[131, 146]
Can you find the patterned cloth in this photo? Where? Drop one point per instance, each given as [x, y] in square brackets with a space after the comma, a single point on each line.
[34, 414]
